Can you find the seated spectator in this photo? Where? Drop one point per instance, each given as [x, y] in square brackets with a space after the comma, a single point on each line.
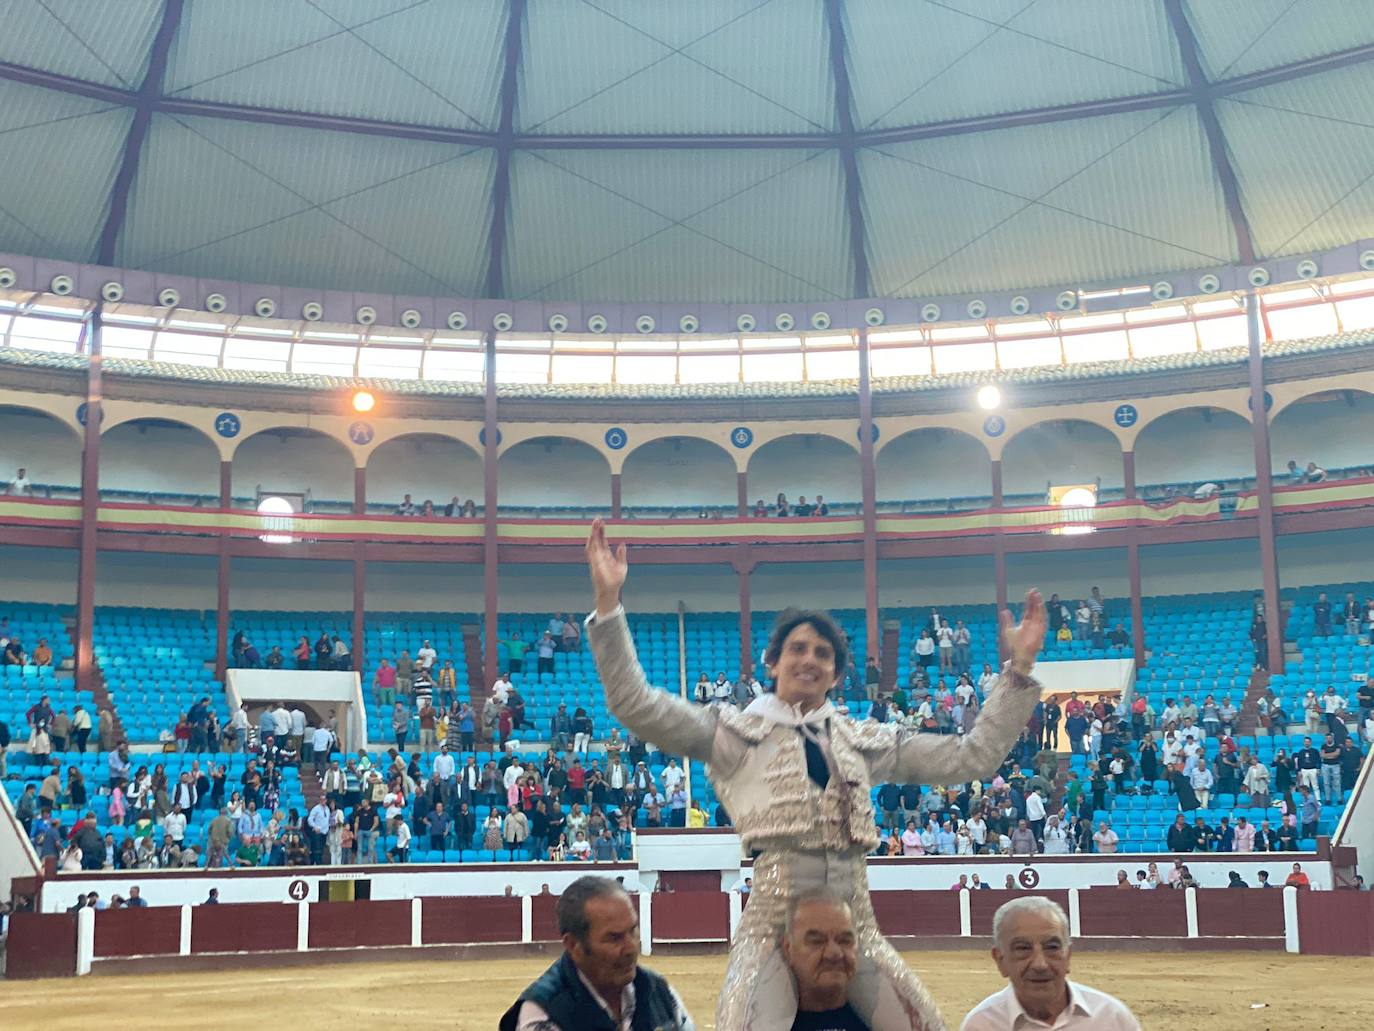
[820, 508]
[1314, 473]
[1297, 879]
[20, 487]
[42, 654]
[469, 509]
[1032, 950]
[760, 510]
[782, 510]
[803, 508]
[406, 507]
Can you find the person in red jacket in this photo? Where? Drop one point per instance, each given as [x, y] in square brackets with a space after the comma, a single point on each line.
[1297, 879]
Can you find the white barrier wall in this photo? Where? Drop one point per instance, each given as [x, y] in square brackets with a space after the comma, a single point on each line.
[331, 688]
[17, 857]
[1088, 677]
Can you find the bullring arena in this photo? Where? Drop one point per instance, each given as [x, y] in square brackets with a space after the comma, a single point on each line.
[332, 331]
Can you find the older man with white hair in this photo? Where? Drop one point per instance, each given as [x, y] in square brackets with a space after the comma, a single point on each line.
[1031, 949]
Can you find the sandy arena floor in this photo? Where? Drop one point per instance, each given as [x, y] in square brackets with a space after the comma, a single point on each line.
[1172, 991]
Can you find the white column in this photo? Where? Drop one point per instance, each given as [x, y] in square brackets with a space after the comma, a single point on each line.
[185, 930]
[302, 926]
[1075, 923]
[526, 918]
[1290, 920]
[85, 940]
[416, 923]
[1190, 904]
[965, 914]
[646, 923]
[736, 912]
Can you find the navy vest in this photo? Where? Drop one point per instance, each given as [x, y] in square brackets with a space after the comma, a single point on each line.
[572, 1007]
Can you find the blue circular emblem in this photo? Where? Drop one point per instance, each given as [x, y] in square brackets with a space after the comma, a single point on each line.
[859, 433]
[1125, 415]
[616, 438]
[1249, 402]
[994, 425]
[227, 424]
[81, 413]
[361, 433]
[741, 436]
[482, 436]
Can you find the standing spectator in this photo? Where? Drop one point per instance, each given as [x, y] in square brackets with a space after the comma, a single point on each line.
[1256, 783]
[1321, 614]
[1308, 762]
[515, 830]
[572, 636]
[1333, 709]
[546, 649]
[324, 652]
[963, 647]
[1351, 760]
[400, 724]
[1259, 637]
[1331, 770]
[1105, 839]
[1352, 611]
[515, 653]
[1243, 837]
[426, 657]
[20, 487]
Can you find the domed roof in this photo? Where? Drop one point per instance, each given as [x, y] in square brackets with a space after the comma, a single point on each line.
[712, 151]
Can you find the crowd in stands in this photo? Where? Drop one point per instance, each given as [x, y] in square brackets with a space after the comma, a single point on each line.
[455, 509]
[330, 651]
[800, 509]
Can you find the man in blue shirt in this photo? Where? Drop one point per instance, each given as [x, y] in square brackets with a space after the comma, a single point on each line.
[135, 899]
[250, 823]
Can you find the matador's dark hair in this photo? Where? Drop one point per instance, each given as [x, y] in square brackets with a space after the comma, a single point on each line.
[821, 622]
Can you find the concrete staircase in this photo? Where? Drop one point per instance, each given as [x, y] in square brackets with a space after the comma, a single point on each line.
[312, 786]
[479, 685]
[891, 652]
[103, 698]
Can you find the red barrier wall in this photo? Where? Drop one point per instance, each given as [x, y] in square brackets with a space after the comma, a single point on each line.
[244, 927]
[1114, 913]
[1336, 923]
[691, 916]
[543, 923]
[343, 925]
[41, 945]
[458, 921]
[983, 904]
[147, 931]
[1240, 912]
[917, 912]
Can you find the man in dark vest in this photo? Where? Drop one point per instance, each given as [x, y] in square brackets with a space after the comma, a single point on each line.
[597, 984]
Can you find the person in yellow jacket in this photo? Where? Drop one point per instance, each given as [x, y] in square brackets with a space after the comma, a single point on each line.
[696, 816]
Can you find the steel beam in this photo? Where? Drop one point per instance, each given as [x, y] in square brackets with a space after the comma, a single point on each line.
[1202, 93]
[144, 100]
[844, 115]
[505, 144]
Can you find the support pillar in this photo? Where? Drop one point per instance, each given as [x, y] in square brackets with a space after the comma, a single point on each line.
[1128, 473]
[615, 495]
[870, 500]
[744, 565]
[1137, 608]
[742, 485]
[359, 570]
[1264, 485]
[999, 552]
[226, 498]
[90, 511]
[489, 551]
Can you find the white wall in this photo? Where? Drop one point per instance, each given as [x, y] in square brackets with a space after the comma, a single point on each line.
[1330, 432]
[289, 585]
[679, 471]
[160, 581]
[806, 465]
[933, 464]
[38, 574]
[923, 582]
[553, 471]
[425, 467]
[161, 457]
[39, 443]
[1185, 447]
[1065, 452]
[293, 463]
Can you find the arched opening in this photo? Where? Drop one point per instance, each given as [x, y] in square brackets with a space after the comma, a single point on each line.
[427, 467]
[1330, 430]
[1182, 450]
[295, 463]
[554, 476]
[678, 475]
[159, 461]
[933, 469]
[807, 465]
[44, 446]
[1060, 453]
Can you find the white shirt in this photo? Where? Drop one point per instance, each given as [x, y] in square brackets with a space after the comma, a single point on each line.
[281, 722]
[501, 691]
[444, 766]
[513, 773]
[239, 720]
[1035, 807]
[175, 825]
[672, 778]
[532, 1016]
[1332, 704]
[1087, 1009]
[297, 723]
[20, 487]
[425, 657]
[321, 739]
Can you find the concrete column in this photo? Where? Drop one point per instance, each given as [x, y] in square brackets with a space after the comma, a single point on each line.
[90, 510]
[1259, 420]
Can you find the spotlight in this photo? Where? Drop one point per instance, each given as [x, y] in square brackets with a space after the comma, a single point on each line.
[363, 401]
[989, 397]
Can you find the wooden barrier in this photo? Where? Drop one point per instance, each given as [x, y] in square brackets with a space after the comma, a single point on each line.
[983, 904]
[1109, 913]
[691, 916]
[918, 913]
[245, 927]
[146, 931]
[41, 945]
[543, 922]
[347, 925]
[1336, 923]
[459, 921]
[1240, 912]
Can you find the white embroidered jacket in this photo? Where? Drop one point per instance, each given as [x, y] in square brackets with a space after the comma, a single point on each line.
[757, 760]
